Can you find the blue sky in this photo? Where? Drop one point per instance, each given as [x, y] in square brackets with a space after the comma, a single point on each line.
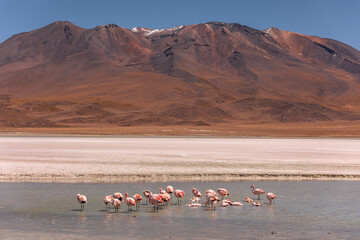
[334, 19]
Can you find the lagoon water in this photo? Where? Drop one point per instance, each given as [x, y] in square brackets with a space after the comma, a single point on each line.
[303, 210]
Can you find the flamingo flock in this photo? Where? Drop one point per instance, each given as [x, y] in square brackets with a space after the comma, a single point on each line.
[164, 197]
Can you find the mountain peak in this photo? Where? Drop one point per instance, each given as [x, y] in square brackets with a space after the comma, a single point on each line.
[148, 32]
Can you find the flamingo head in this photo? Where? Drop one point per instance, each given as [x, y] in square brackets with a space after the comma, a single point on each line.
[126, 194]
[252, 186]
[146, 193]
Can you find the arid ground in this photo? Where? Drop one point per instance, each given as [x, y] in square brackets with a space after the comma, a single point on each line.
[113, 159]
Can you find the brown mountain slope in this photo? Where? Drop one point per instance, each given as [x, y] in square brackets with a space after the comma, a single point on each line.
[202, 74]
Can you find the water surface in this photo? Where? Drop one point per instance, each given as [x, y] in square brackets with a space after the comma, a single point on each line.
[303, 210]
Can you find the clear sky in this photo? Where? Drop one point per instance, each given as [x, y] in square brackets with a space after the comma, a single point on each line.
[336, 19]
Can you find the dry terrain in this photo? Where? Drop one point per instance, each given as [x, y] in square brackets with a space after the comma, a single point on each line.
[224, 77]
[111, 159]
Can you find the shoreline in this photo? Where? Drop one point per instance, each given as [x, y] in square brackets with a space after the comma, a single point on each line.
[133, 178]
[147, 136]
[332, 129]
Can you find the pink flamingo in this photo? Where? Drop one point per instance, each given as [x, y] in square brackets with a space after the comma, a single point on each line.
[271, 197]
[164, 195]
[224, 203]
[249, 200]
[146, 194]
[194, 204]
[196, 193]
[223, 192]
[170, 191]
[82, 199]
[155, 200]
[256, 204]
[137, 199]
[195, 200]
[209, 194]
[257, 191]
[116, 203]
[212, 199]
[119, 196]
[129, 201]
[236, 204]
[107, 200]
[180, 194]
[210, 191]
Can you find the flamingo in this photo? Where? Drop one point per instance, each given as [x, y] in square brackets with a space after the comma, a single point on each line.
[119, 196]
[129, 201]
[146, 194]
[209, 194]
[223, 192]
[224, 203]
[256, 204]
[210, 191]
[82, 199]
[155, 200]
[107, 200]
[179, 194]
[164, 195]
[271, 197]
[236, 204]
[249, 200]
[257, 191]
[116, 203]
[137, 199]
[194, 204]
[212, 199]
[170, 191]
[196, 193]
[195, 200]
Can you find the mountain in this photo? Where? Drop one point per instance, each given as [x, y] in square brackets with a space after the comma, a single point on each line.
[198, 75]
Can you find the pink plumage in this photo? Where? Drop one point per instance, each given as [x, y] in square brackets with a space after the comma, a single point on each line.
[257, 191]
[196, 193]
[129, 201]
[271, 197]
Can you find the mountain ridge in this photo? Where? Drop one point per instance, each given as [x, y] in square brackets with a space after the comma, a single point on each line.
[201, 74]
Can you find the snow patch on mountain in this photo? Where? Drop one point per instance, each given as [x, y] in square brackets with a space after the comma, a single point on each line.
[149, 32]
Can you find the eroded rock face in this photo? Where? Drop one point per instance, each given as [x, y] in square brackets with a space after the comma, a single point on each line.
[202, 74]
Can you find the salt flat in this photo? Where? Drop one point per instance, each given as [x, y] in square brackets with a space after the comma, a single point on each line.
[103, 159]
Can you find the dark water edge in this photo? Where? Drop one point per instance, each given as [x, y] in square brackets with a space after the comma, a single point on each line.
[303, 210]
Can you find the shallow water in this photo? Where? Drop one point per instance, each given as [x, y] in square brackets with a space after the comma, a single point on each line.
[303, 210]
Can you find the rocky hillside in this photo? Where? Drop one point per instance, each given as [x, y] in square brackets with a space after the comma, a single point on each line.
[202, 74]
